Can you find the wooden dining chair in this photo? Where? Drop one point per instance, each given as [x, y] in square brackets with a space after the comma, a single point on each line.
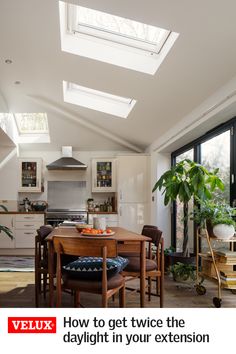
[41, 262]
[154, 263]
[92, 272]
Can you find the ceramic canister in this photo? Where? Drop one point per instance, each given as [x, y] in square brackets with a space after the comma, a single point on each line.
[99, 223]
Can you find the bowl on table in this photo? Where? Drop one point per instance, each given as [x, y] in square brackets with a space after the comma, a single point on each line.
[81, 226]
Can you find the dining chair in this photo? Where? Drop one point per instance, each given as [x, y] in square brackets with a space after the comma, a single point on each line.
[154, 263]
[41, 262]
[97, 269]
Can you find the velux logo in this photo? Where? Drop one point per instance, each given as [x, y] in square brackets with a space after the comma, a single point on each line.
[32, 324]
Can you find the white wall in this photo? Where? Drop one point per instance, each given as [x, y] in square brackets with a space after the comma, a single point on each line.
[160, 214]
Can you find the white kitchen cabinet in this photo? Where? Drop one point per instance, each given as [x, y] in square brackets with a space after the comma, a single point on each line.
[5, 241]
[104, 175]
[30, 175]
[111, 219]
[132, 178]
[132, 216]
[26, 226]
[133, 188]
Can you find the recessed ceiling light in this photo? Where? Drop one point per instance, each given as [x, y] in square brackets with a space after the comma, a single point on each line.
[17, 82]
[8, 61]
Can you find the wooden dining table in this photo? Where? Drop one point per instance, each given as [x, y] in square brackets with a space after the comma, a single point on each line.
[127, 241]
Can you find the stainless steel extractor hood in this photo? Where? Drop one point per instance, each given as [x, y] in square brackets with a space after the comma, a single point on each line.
[66, 162]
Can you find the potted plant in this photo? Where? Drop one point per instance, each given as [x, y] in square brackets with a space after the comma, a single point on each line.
[167, 257]
[5, 229]
[218, 217]
[184, 181]
[183, 272]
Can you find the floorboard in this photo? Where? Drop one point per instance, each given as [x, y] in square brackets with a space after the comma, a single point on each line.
[17, 290]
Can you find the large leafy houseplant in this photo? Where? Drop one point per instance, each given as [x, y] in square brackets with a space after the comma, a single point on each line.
[184, 181]
[5, 229]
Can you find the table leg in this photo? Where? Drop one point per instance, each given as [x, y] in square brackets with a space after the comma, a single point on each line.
[142, 274]
[50, 272]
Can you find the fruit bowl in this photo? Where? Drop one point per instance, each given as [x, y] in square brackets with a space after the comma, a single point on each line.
[96, 232]
[81, 226]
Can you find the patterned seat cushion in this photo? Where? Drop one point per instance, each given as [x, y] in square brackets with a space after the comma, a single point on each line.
[91, 267]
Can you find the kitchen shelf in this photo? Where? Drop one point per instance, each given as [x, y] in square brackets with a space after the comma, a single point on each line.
[104, 175]
[30, 175]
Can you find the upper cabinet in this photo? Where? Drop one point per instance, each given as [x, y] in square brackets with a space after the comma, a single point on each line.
[133, 178]
[103, 175]
[30, 175]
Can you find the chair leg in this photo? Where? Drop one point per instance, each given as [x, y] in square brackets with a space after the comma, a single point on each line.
[122, 297]
[44, 285]
[104, 301]
[161, 290]
[76, 298]
[149, 288]
[36, 289]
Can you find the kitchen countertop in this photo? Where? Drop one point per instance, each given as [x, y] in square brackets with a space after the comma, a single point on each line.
[22, 212]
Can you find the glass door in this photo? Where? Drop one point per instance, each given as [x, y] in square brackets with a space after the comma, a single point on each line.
[103, 175]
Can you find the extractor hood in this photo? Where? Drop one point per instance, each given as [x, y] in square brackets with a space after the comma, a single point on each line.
[66, 162]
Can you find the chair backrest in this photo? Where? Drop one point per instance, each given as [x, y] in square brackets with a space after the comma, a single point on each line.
[85, 247]
[44, 231]
[153, 232]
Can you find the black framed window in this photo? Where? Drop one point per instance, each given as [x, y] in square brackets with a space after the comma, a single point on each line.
[215, 149]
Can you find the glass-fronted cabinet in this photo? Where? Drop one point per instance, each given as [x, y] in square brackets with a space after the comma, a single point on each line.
[103, 175]
[30, 175]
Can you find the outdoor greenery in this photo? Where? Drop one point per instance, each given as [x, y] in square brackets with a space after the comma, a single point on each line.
[187, 180]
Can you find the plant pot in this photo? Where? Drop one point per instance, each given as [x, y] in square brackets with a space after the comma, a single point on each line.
[176, 257]
[223, 231]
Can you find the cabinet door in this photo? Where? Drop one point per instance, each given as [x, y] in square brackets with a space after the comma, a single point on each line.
[30, 175]
[132, 179]
[5, 241]
[25, 238]
[132, 216]
[103, 175]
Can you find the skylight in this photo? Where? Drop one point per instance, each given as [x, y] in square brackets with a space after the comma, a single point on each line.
[97, 100]
[32, 128]
[113, 39]
[32, 123]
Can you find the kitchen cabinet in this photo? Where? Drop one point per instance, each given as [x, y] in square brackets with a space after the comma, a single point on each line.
[26, 226]
[5, 241]
[104, 175]
[30, 175]
[132, 178]
[132, 188]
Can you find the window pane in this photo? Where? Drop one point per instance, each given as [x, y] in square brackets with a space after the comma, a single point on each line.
[179, 212]
[215, 153]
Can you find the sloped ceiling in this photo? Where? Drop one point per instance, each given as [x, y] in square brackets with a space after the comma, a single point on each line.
[200, 62]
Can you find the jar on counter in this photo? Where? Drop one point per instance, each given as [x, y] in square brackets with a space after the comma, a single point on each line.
[90, 204]
[96, 208]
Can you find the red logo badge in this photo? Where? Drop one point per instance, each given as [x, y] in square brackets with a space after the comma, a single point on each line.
[32, 324]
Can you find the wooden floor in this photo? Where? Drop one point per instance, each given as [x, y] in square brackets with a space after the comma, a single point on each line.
[17, 290]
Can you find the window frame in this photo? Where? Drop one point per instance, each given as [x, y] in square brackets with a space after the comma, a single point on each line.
[108, 35]
[195, 145]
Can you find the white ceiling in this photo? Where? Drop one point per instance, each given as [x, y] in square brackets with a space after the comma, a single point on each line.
[200, 62]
